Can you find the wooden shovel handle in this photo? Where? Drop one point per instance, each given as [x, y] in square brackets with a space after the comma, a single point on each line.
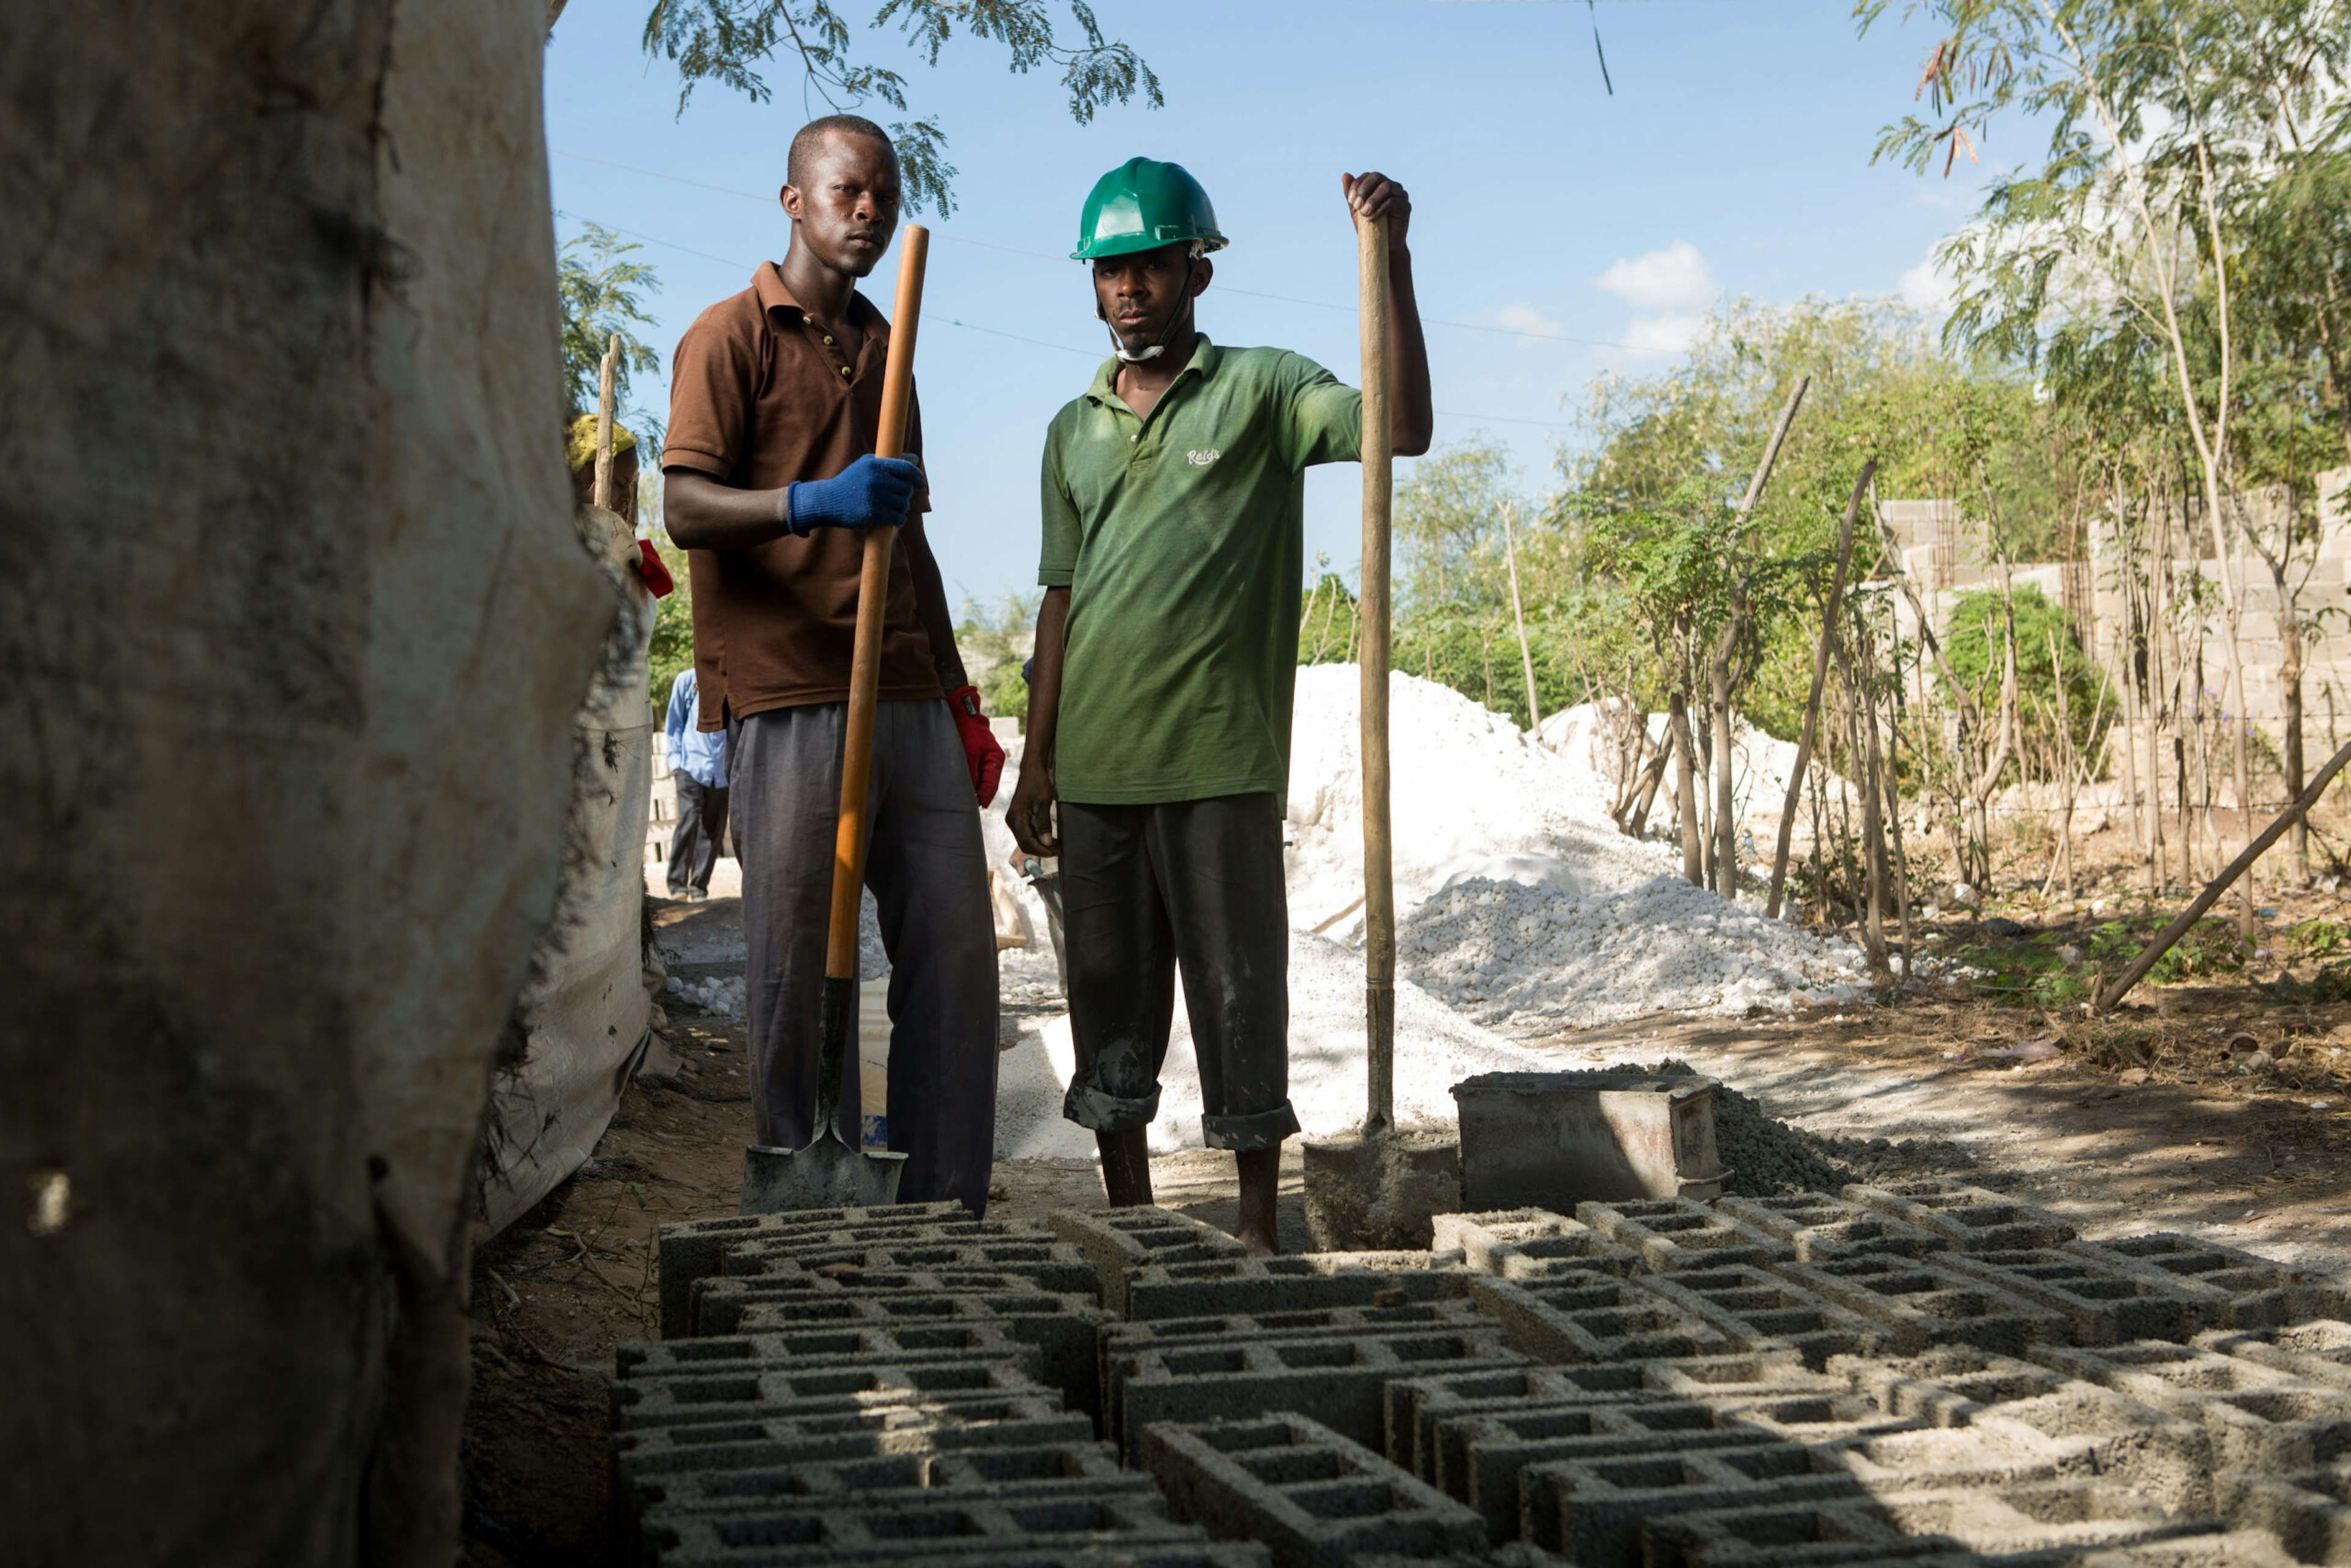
[1379, 878]
[872, 599]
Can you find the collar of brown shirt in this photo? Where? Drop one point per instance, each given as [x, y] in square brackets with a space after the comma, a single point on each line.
[761, 396]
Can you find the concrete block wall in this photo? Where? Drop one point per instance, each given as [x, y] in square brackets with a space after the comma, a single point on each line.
[1927, 1372]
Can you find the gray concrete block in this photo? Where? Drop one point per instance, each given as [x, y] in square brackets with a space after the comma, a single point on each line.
[991, 1474]
[1315, 1498]
[1948, 1387]
[1590, 1510]
[840, 1532]
[1047, 1264]
[2229, 1548]
[1773, 1372]
[2057, 1517]
[1414, 1404]
[1676, 1233]
[2309, 1511]
[2102, 1303]
[1064, 1329]
[1760, 1310]
[2079, 1431]
[785, 1282]
[746, 1391]
[847, 1426]
[2251, 1292]
[1114, 1241]
[1222, 1286]
[691, 1248]
[1970, 1218]
[1573, 1317]
[2319, 1350]
[1339, 1380]
[2255, 1416]
[1480, 1458]
[1923, 1303]
[1821, 1227]
[1517, 1243]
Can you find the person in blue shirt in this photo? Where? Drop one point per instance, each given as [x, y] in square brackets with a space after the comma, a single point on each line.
[697, 764]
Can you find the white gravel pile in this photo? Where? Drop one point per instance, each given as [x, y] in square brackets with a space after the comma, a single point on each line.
[1518, 901]
[718, 995]
[1531, 959]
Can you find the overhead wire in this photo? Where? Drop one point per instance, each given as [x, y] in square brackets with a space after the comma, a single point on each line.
[1015, 337]
[1222, 287]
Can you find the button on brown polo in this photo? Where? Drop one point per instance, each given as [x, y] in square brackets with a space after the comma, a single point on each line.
[754, 404]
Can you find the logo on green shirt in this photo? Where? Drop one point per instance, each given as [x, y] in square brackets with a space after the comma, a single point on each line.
[1200, 457]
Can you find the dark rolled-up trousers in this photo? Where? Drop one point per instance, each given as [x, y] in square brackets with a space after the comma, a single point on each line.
[928, 871]
[1193, 886]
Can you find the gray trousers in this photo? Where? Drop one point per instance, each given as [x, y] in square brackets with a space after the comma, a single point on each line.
[928, 871]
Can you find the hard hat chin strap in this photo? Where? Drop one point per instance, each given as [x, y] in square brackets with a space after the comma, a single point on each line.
[1166, 333]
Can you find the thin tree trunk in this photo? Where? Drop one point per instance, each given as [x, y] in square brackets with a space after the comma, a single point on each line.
[1726, 813]
[1862, 711]
[1686, 787]
[1805, 733]
[1518, 616]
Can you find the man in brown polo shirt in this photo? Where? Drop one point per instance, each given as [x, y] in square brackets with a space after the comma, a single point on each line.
[775, 396]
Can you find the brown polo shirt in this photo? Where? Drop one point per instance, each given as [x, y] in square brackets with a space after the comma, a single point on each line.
[760, 397]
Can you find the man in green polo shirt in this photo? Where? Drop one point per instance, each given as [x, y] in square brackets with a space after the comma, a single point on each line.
[1166, 660]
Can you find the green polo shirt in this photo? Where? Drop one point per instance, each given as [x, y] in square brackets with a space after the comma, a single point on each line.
[1181, 539]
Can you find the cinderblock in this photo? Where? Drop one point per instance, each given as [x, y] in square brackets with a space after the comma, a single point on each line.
[1314, 1498]
[1761, 1311]
[1573, 1317]
[1821, 1227]
[1223, 1286]
[1519, 1243]
[1339, 1380]
[1970, 1218]
[1923, 1303]
[1675, 1233]
[692, 1249]
[1114, 1241]
[747, 1392]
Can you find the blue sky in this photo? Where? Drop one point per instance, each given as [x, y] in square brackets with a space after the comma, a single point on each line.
[1733, 158]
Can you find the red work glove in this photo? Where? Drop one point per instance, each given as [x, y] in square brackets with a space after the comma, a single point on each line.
[649, 568]
[979, 747]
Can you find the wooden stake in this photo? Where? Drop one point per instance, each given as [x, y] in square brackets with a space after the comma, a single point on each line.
[1519, 615]
[1820, 680]
[603, 491]
[1379, 877]
[2220, 884]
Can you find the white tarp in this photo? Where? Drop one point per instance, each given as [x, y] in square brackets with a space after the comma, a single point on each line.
[585, 1015]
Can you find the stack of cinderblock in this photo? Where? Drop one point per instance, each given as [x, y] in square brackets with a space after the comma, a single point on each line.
[1926, 1373]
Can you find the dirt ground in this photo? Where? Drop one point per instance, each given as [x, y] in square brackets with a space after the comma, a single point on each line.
[2214, 1103]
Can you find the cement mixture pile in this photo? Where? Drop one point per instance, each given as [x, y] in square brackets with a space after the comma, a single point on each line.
[1519, 903]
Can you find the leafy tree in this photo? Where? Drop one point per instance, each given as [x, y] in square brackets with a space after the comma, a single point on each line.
[996, 640]
[729, 42]
[602, 293]
[2046, 654]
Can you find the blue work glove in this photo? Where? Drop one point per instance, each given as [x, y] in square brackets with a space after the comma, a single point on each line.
[870, 491]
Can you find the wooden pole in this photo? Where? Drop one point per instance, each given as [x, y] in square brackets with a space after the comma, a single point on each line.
[1379, 878]
[872, 597]
[1820, 680]
[1726, 816]
[2220, 884]
[1519, 615]
[603, 491]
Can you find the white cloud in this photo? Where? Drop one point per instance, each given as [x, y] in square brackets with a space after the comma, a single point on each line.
[1661, 279]
[1665, 334]
[1926, 286]
[1527, 318]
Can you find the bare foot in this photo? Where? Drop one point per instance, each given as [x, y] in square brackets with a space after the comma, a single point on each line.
[1126, 1167]
[1260, 1181]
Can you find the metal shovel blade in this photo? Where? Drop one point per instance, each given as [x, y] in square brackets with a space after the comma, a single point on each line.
[828, 1173]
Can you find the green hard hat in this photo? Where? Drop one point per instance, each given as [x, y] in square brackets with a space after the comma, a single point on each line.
[1143, 204]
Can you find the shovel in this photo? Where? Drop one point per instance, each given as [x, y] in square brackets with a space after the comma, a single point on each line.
[832, 1171]
[1379, 1188]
